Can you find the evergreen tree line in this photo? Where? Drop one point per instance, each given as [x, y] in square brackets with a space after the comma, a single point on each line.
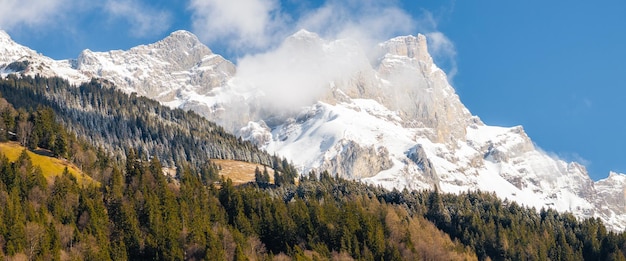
[503, 230]
[140, 214]
[35, 130]
[137, 213]
[115, 121]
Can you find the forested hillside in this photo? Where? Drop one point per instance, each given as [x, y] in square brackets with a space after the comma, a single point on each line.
[139, 215]
[135, 212]
[115, 121]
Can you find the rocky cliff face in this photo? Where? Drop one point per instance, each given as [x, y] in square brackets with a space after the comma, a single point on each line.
[422, 93]
[384, 114]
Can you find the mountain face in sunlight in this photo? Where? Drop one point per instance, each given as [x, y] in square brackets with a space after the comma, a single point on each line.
[383, 114]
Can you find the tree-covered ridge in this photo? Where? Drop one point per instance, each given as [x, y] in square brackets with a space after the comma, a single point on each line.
[115, 121]
[502, 230]
[138, 213]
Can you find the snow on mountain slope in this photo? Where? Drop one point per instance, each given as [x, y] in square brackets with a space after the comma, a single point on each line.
[397, 122]
[15, 58]
[610, 200]
[178, 71]
[385, 115]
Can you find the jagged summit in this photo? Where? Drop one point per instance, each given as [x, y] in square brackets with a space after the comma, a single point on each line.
[181, 41]
[409, 46]
[162, 69]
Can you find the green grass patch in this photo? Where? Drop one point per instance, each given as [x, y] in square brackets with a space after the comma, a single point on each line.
[50, 166]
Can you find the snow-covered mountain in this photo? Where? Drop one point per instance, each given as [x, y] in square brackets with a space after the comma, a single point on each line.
[384, 114]
[17, 58]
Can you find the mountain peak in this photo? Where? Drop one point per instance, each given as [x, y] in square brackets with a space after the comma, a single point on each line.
[183, 35]
[304, 38]
[180, 40]
[10, 50]
[409, 46]
[616, 176]
[4, 35]
[305, 34]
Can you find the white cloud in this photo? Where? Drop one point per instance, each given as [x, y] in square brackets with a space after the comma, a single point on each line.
[443, 51]
[566, 156]
[368, 21]
[299, 70]
[31, 13]
[241, 23]
[300, 74]
[250, 26]
[143, 20]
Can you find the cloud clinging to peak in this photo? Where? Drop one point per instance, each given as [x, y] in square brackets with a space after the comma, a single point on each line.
[258, 25]
[442, 49]
[246, 27]
[368, 20]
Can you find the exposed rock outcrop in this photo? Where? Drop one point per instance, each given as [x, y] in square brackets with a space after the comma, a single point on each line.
[355, 162]
[418, 155]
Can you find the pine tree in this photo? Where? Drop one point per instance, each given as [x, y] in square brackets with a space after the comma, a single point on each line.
[258, 177]
[60, 146]
[266, 175]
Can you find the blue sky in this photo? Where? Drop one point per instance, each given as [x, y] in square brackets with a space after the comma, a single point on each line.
[555, 67]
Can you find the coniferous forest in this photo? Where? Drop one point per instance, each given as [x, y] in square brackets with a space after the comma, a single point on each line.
[115, 122]
[135, 212]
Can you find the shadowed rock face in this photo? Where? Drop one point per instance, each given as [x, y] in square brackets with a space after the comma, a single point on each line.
[418, 155]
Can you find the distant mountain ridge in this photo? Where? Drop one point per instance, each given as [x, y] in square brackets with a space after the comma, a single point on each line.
[387, 117]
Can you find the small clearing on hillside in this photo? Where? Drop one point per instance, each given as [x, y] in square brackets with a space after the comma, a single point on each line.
[50, 166]
[239, 171]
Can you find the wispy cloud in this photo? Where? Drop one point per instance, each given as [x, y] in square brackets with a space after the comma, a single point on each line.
[258, 25]
[443, 51]
[31, 13]
[255, 26]
[299, 72]
[143, 19]
[239, 23]
[440, 47]
[366, 21]
[566, 156]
